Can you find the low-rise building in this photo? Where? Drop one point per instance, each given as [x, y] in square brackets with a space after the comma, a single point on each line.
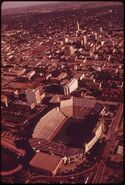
[46, 163]
[71, 86]
[34, 96]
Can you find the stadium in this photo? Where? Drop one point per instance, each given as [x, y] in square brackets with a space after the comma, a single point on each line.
[75, 124]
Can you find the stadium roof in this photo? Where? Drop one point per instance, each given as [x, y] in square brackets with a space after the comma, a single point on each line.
[49, 124]
[79, 107]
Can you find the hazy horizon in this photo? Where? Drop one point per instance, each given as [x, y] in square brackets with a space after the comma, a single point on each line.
[19, 4]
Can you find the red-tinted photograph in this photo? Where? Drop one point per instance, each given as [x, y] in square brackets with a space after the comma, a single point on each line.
[62, 92]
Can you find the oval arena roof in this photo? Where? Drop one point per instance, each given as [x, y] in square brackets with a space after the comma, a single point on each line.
[49, 124]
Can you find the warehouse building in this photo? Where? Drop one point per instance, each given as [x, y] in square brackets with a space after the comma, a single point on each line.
[46, 163]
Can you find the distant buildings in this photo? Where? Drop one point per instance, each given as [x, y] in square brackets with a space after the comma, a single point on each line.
[78, 28]
[84, 40]
[101, 29]
[66, 39]
[96, 36]
[67, 60]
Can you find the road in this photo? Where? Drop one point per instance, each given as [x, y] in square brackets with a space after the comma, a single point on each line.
[101, 167]
[107, 102]
[11, 172]
[13, 148]
[65, 178]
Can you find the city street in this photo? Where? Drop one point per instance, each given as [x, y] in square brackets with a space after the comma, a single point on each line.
[101, 167]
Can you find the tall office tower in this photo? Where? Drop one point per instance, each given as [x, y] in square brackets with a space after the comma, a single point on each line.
[66, 39]
[96, 36]
[33, 96]
[93, 48]
[85, 39]
[82, 43]
[78, 28]
[101, 29]
[72, 50]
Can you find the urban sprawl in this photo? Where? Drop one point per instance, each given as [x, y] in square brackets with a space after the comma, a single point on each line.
[62, 96]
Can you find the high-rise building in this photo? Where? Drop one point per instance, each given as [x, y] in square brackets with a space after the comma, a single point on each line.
[66, 39]
[96, 36]
[101, 29]
[85, 39]
[78, 28]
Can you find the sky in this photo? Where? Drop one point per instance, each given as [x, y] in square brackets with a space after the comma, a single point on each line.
[14, 4]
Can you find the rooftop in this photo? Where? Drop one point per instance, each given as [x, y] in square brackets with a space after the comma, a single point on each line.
[45, 161]
[79, 107]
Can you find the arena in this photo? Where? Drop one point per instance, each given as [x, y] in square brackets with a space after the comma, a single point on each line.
[75, 124]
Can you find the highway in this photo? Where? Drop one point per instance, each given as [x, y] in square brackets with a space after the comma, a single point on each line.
[11, 172]
[98, 176]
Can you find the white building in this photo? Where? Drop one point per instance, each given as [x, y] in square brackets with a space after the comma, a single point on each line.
[101, 29]
[85, 40]
[71, 86]
[78, 27]
[96, 36]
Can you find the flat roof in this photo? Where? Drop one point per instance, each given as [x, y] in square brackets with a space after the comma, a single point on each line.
[22, 85]
[45, 161]
[120, 150]
[55, 99]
